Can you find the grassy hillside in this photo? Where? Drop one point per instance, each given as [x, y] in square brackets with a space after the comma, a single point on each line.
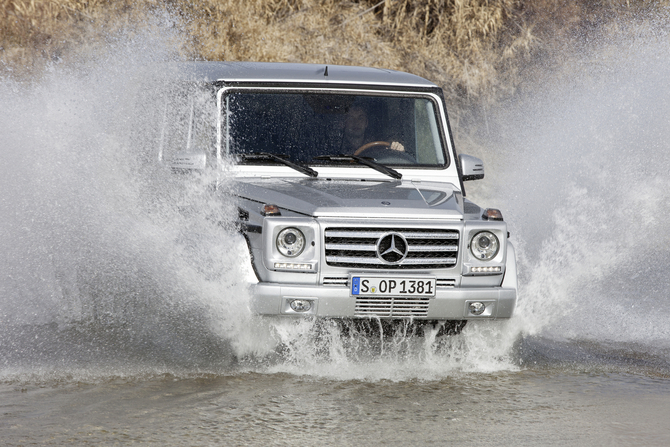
[478, 50]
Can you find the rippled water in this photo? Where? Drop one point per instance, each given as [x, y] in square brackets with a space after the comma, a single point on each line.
[522, 408]
[124, 303]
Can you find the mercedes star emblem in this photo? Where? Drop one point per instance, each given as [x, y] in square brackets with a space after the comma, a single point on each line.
[392, 248]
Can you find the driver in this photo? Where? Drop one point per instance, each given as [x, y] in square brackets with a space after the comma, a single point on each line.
[355, 124]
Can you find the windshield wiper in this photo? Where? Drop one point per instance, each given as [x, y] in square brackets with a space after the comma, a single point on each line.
[364, 161]
[268, 156]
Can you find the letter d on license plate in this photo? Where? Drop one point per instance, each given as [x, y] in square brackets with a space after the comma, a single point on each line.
[385, 286]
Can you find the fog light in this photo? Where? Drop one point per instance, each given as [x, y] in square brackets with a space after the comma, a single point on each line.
[301, 305]
[474, 308]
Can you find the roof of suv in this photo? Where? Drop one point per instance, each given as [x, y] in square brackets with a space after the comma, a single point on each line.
[304, 73]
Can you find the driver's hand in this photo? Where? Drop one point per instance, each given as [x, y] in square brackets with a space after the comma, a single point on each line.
[397, 147]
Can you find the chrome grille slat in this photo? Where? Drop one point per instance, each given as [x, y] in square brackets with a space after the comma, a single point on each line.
[336, 281]
[357, 247]
[357, 234]
[375, 261]
[431, 248]
[445, 283]
[376, 234]
[435, 235]
[412, 248]
[390, 307]
[354, 247]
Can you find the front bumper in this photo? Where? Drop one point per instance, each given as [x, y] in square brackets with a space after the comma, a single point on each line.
[337, 302]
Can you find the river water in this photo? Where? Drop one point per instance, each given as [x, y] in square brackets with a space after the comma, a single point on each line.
[124, 321]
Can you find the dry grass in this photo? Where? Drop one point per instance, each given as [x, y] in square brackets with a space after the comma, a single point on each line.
[475, 49]
[33, 32]
[460, 44]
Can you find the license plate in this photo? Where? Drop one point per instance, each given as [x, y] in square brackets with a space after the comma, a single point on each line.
[385, 286]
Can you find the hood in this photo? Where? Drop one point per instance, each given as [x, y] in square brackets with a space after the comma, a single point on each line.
[356, 198]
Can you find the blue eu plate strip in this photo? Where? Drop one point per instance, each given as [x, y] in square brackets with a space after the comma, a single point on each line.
[355, 285]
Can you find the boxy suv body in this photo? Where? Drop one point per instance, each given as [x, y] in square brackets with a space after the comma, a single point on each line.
[350, 194]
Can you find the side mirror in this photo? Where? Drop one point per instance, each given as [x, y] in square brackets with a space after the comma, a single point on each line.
[472, 167]
[189, 161]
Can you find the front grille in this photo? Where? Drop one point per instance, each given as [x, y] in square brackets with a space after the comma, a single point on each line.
[391, 307]
[357, 248]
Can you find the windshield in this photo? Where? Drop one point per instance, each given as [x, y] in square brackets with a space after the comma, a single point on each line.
[301, 126]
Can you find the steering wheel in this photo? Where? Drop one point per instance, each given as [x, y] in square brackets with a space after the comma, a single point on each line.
[381, 151]
[371, 144]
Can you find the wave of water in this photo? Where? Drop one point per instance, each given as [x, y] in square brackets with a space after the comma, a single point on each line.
[104, 274]
[109, 260]
[588, 196]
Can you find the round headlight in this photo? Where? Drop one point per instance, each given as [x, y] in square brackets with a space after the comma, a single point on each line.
[290, 242]
[484, 245]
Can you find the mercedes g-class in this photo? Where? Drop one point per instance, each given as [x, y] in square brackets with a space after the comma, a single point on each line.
[351, 195]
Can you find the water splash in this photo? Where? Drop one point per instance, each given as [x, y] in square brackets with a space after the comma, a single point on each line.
[117, 267]
[103, 275]
[588, 198]
[108, 258]
[322, 349]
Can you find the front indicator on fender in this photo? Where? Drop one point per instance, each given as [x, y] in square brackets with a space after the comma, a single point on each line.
[492, 214]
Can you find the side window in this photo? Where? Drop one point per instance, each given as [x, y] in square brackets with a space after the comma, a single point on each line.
[188, 125]
[428, 147]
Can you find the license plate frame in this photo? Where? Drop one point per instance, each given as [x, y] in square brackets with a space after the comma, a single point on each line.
[392, 286]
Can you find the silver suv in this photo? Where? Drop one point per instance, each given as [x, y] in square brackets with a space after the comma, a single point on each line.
[351, 196]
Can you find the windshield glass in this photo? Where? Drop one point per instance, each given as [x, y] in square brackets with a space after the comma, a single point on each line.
[393, 130]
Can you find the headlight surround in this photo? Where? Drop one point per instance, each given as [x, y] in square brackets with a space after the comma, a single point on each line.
[290, 242]
[484, 245]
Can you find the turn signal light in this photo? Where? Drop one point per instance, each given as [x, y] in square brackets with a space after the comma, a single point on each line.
[270, 210]
[492, 214]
